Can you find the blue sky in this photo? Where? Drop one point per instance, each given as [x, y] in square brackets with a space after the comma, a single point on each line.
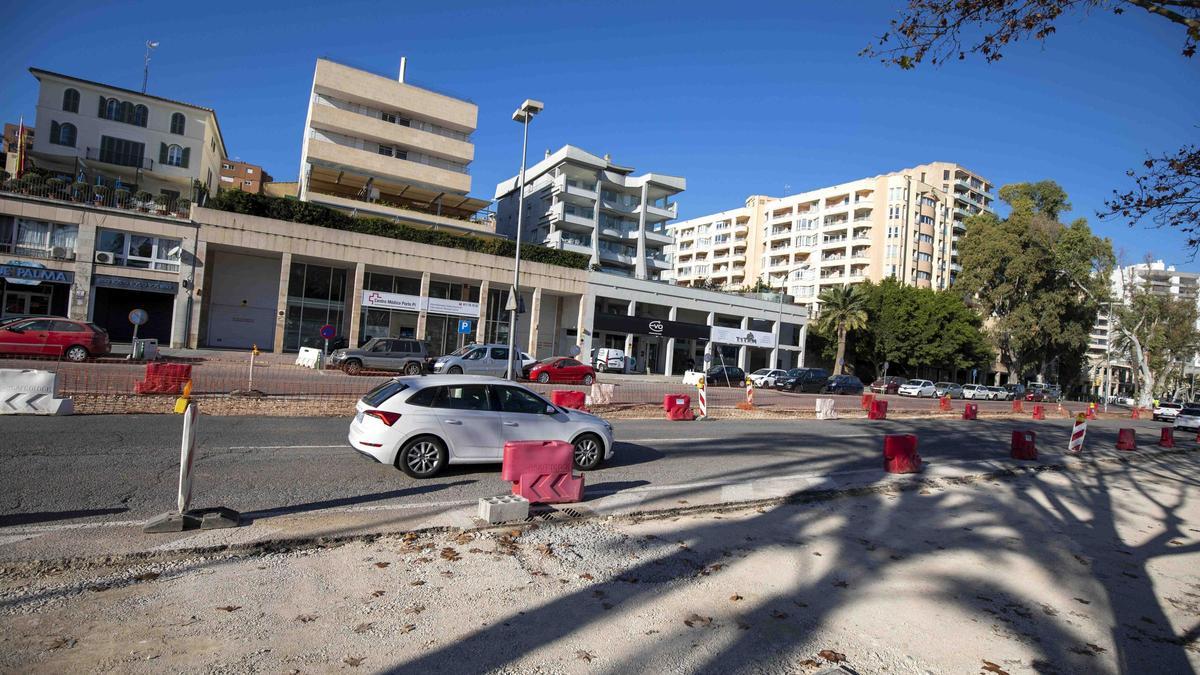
[739, 98]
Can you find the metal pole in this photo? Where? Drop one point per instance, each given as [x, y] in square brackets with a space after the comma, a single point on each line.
[512, 325]
[1107, 346]
[779, 326]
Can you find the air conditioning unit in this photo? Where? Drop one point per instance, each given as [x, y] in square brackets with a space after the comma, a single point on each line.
[105, 258]
[58, 253]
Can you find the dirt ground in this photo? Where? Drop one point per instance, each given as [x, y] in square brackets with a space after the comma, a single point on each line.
[1093, 570]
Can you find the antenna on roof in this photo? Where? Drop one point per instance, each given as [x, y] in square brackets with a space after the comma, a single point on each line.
[150, 44]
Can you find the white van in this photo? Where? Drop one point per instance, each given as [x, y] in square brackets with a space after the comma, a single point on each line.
[609, 360]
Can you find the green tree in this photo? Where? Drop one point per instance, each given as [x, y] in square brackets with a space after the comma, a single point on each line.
[1038, 282]
[1157, 334]
[843, 309]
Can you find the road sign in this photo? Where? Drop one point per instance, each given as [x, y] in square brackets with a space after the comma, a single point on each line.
[464, 326]
[139, 317]
[707, 358]
[327, 332]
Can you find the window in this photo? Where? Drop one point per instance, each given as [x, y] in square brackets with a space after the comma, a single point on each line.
[71, 100]
[62, 134]
[141, 114]
[249, 171]
[386, 150]
[387, 117]
[499, 354]
[381, 347]
[247, 183]
[121, 152]
[227, 167]
[387, 390]
[463, 397]
[177, 123]
[423, 398]
[66, 327]
[141, 251]
[475, 354]
[174, 155]
[514, 400]
[212, 144]
[111, 108]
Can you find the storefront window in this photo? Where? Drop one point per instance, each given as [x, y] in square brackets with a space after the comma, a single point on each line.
[36, 238]
[316, 296]
[140, 250]
[496, 330]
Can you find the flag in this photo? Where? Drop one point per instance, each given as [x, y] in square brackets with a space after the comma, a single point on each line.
[20, 147]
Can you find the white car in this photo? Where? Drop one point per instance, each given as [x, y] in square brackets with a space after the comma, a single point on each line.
[765, 377]
[977, 392]
[997, 393]
[1188, 419]
[1167, 411]
[421, 424]
[918, 388]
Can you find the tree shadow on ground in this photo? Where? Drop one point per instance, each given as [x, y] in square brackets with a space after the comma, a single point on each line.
[13, 519]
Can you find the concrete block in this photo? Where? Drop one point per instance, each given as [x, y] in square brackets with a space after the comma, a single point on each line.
[825, 409]
[503, 509]
[27, 381]
[34, 404]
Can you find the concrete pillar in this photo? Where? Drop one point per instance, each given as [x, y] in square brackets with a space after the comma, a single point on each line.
[535, 320]
[803, 345]
[631, 311]
[709, 348]
[485, 287]
[180, 323]
[355, 304]
[775, 352]
[80, 300]
[423, 316]
[596, 221]
[285, 270]
[669, 361]
[196, 295]
[583, 327]
[744, 351]
[640, 266]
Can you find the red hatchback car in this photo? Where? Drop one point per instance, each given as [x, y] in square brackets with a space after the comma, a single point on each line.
[52, 336]
[562, 369]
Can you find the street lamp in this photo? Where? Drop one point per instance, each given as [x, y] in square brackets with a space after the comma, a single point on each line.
[779, 321]
[150, 44]
[523, 115]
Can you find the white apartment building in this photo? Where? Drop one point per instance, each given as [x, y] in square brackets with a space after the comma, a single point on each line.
[905, 225]
[116, 139]
[383, 147]
[578, 201]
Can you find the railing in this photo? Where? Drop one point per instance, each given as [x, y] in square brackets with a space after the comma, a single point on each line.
[119, 158]
[85, 194]
[46, 253]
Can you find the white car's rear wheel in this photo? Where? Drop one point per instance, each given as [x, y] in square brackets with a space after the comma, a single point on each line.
[422, 457]
[589, 452]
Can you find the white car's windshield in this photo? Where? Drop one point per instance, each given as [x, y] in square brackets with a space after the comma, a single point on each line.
[462, 350]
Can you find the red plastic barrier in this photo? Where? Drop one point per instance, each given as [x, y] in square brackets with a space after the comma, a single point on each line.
[164, 378]
[1018, 405]
[1091, 413]
[1039, 412]
[900, 454]
[540, 471]
[566, 398]
[878, 410]
[1167, 438]
[681, 413]
[970, 411]
[676, 400]
[867, 399]
[1136, 414]
[1024, 445]
[944, 403]
[1126, 440]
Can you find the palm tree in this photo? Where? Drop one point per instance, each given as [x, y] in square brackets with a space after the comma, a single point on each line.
[843, 309]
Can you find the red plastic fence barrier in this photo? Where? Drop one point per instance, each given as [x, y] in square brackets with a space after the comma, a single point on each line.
[900, 454]
[540, 471]
[970, 411]
[944, 403]
[569, 399]
[1024, 445]
[878, 410]
[1091, 412]
[676, 400]
[164, 378]
[867, 400]
[1167, 438]
[1018, 406]
[1039, 412]
[1126, 440]
[681, 413]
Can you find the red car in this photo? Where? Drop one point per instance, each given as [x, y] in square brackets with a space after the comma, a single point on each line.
[52, 336]
[1035, 396]
[562, 369]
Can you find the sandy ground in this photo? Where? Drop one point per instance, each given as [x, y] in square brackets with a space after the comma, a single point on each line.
[1092, 570]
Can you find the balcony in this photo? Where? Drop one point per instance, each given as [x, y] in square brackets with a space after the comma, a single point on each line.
[657, 237]
[388, 168]
[98, 196]
[358, 125]
[568, 242]
[657, 213]
[955, 267]
[120, 159]
[561, 186]
[834, 241]
[572, 219]
[836, 223]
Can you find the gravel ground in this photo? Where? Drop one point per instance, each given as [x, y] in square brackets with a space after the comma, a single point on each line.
[1093, 570]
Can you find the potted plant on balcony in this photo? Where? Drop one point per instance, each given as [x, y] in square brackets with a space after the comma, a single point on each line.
[31, 183]
[160, 203]
[143, 200]
[183, 206]
[100, 194]
[81, 191]
[121, 197]
[57, 188]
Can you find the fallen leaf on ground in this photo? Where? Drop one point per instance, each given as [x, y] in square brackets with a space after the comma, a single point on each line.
[810, 663]
[597, 594]
[816, 553]
[587, 577]
[376, 594]
[418, 582]
[59, 642]
[408, 628]
[475, 550]
[382, 564]
[831, 656]
[799, 604]
[415, 609]
[447, 574]
[230, 608]
[464, 538]
[545, 549]
[306, 618]
[1096, 648]
[735, 597]
[147, 576]
[683, 501]
[697, 620]
[778, 614]
[742, 625]
[422, 561]
[354, 661]
[993, 668]
[584, 655]
[715, 567]
[1081, 600]
[364, 627]
[450, 554]
[409, 536]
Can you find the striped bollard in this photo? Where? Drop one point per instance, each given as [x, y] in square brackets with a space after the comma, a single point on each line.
[1075, 446]
[702, 398]
[749, 391]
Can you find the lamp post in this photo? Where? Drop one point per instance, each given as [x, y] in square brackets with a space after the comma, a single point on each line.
[150, 44]
[523, 115]
[779, 321]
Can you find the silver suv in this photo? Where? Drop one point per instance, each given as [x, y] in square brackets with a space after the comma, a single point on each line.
[479, 360]
[392, 354]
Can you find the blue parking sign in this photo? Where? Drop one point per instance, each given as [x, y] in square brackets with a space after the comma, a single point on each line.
[464, 326]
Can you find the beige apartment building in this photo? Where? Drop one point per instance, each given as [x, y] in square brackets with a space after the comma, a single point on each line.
[379, 146]
[905, 225]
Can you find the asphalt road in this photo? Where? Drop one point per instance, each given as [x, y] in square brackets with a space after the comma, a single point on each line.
[93, 468]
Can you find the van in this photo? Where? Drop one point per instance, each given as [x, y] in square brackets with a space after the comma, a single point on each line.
[610, 360]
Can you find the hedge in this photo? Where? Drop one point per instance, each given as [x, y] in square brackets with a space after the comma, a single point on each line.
[296, 211]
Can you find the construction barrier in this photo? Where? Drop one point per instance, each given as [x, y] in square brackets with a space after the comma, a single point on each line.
[164, 378]
[878, 410]
[970, 411]
[673, 400]
[1091, 412]
[678, 407]
[1039, 412]
[1075, 445]
[900, 454]
[867, 399]
[1024, 445]
[185, 518]
[825, 409]
[1018, 406]
[1167, 438]
[309, 357]
[601, 394]
[541, 471]
[31, 392]
[682, 413]
[749, 392]
[702, 398]
[944, 404]
[1136, 413]
[1126, 439]
[567, 398]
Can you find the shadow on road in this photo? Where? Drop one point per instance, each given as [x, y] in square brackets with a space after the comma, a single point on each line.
[48, 516]
[251, 516]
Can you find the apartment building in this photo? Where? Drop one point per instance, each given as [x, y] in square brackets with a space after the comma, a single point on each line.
[244, 176]
[122, 143]
[904, 225]
[578, 201]
[383, 147]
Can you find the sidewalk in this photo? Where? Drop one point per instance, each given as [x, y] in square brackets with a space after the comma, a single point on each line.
[1084, 570]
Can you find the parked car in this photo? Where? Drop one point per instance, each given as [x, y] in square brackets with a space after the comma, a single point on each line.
[810, 380]
[888, 385]
[725, 376]
[421, 424]
[843, 384]
[476, 359]
[1049, 393]
[950, 389]
[766, 377]
[52, 336]
[976, 392]
[1188, 418]
[1035, 395]
[1015, 390]
[996, 393]
[610, 360]
[390, 354]
[1167, 411]
[561, 369]
[918, 388]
